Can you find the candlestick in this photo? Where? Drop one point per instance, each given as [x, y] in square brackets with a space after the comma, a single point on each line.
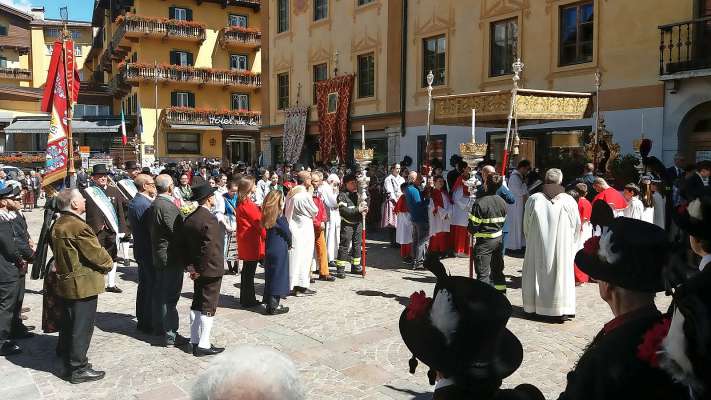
[362, 136]
[473, 125]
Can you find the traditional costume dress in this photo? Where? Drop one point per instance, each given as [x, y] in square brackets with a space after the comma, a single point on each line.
[440, 215]
[552, 225]
[403, 232]
[514, 213]
[586, 232]
[461, 206]
[300, 211]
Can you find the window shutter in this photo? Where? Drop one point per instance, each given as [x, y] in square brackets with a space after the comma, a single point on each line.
[173, 99]
[171, 12]
[191, 99]
[173, 57]
[190, 59]
[188, 14]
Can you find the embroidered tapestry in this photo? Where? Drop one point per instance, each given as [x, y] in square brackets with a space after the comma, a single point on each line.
[334, 108]
[294, 132]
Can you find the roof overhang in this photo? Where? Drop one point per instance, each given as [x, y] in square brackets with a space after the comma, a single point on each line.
[493, 107]
[78, 126]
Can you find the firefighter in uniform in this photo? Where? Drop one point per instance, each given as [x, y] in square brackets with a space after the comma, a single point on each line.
[351, 225]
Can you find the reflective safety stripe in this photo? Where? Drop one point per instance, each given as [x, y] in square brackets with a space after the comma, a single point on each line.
[356, 261]
[340, 263]
[500, 288]
[488, 235]
[478, 221]
[342, 204]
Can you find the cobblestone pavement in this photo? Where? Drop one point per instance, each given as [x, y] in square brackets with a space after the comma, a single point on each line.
[344, 340]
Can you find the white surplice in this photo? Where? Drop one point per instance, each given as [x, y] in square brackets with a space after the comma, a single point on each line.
[635, 208]
[440, 222]
[333, 225]
[552, 228]
[300, 211]
[461, 207]
[403, 232]
[514, 212]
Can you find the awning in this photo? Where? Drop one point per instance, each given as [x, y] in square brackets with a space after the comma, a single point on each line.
[492, 108]
[42, 126]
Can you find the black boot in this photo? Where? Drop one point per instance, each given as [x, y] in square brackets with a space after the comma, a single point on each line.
[356, 269]
[340, 272]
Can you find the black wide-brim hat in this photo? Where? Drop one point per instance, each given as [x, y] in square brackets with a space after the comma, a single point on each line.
[131, 165]
[630, 254]
[99, 169]
[480, 346]
[202, 191]
[696, 218]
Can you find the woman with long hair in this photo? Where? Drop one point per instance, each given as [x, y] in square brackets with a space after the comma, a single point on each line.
[276, 258]
[645, 195]
[250, 239]
[183, 192]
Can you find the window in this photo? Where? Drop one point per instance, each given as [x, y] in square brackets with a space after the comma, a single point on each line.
[3, 62]
[91, 110]
[364, 2]
[3, 30]
[282, 16]
[181, 14]
[182, 99]
[438, 149]
[238, 61]
[240, 101]
[320, 74]
[183, 58]
[183, 143]
[504, 35]
[433, 59]
[134, 57]
[320, 9]
[237, 20]
[77, 50]
[576, 34]
[366, 75]
[282, 91]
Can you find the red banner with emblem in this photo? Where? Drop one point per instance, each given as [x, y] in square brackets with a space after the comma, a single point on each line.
[334, 111]
[60, 92]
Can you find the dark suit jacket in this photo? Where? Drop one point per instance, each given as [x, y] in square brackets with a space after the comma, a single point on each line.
[202, 240]
[140, 222]
[673, 174]
[165, 220]
[97, 220]
[199, 180]
[12, 253]
[694, 188]
[21, 237]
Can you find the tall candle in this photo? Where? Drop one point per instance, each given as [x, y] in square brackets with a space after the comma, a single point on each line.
[362, 136]
[473, 125]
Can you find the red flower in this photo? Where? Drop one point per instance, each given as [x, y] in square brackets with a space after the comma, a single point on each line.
[419, 304]
[591, 246]
[652, 341]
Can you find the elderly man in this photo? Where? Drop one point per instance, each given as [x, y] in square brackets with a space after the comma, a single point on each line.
[300, 211]
[201, 242]
[164, 222]
[80, 263]
[250, 372]
[551, 223]
[127, 185]
[105, 215]
[418, 203]
[139, 221]
[610, 196]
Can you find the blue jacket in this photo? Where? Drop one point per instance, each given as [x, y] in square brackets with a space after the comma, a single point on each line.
[140, 223]
[416, 204]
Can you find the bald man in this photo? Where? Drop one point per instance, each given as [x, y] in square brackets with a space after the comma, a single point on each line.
[137, 217]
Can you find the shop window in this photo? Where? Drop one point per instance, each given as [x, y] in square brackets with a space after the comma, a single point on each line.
[183, 143]
[576, 34]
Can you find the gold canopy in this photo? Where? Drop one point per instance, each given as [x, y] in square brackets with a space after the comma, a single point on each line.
[492, 108]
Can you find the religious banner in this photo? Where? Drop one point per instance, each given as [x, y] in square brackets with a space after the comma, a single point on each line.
[333, 102]
[59, 93]
[294, 132]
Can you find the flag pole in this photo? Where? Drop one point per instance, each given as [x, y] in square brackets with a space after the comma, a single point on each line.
[155, 131]
[71, 171]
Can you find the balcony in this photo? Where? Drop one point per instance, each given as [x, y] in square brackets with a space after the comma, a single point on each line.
[211, 117]
[237, 37]
[135, 72]
[685, 49]
[16, 73]
[132, 26]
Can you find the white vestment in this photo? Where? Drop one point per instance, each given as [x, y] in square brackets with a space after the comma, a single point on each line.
[300, 210]
[461, 208]
[514, 212]
[440, 221]
[659, 210]
[552, 228]
[403, 232]
[333, 225]
[635, 208]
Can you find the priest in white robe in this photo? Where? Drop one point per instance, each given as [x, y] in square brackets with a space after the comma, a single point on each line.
[329, 193]
[300, 211]
[551, 223]
[514, 214]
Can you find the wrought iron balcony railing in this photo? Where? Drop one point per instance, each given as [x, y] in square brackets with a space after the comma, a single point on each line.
[134, 72]
[15, 73]
[224, 118]
[685, 46]
[236, 37]
[132, 25]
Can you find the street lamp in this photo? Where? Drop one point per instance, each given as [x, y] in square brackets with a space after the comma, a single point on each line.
[430, 80]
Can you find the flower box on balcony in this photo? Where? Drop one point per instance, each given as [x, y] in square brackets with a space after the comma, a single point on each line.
[15, 73]
[189, 74]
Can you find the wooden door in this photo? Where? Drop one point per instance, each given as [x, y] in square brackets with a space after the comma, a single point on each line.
[527, 151]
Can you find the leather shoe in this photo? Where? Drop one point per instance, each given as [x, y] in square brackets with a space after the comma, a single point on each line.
[86, 375]
[113, 289]
[308, 292]
[327, 278]
[177, 342]
[199, 351]
[279, 310]
[22, 334]
[9, 348]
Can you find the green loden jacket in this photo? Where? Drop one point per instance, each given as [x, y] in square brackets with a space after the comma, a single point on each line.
[80, 260]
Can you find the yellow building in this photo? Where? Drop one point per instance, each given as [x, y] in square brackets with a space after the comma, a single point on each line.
[664, 93]
[193, 69]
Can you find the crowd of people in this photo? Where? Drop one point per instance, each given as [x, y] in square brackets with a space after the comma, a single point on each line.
[301, 225]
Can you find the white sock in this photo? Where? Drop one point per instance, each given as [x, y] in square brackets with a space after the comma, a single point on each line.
[206, 325]
[194, 327]
[112, 277]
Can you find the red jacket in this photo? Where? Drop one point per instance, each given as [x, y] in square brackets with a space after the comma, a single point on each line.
[321, 217]
[250, 233]
[612, 197]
